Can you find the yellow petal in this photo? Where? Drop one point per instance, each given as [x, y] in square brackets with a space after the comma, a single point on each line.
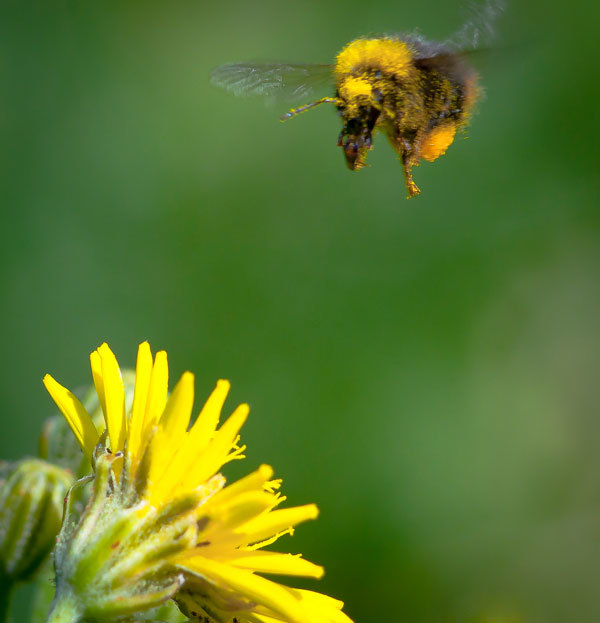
[238, 510]
[319, 607]
[143, 370]
[114, 396]
[260, 590]
[319, 599]
[176, 416]
[262, 618]
[191, 468]
[208, 419]
[274, 562]
[277, 521]
[96, 365]
[323, 604]
[216, 453]
[78, 418]
[192, 445]
[157, 393]
[251, 482]
[170, 435]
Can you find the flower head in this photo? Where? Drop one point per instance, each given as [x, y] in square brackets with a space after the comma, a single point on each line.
[161, 523]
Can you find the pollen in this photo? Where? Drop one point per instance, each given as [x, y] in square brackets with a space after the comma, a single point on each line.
[437, 142]
[355, 87]
[391, 56]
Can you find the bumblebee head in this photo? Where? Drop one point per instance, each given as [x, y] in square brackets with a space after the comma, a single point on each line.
[356, 93]
[359, 105]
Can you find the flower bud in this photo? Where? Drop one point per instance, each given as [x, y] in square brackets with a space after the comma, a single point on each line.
[31, 504]
[115, 559]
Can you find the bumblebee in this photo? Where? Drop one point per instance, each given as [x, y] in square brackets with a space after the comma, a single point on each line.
[417, 92]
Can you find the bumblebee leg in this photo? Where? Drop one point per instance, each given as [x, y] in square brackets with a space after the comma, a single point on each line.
[408, 151]
[413, 189]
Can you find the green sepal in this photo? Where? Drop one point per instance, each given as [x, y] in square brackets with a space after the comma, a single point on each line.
[122, 604]
[115, 559]
[43, 592]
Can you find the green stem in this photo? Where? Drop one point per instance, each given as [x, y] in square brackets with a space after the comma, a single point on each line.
[64, 609]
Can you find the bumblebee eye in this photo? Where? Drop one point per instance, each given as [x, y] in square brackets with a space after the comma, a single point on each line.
[378, 74]
[377, 95]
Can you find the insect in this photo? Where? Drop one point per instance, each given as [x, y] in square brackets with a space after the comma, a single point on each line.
[417, 92]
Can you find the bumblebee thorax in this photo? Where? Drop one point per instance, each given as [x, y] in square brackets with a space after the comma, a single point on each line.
[386, 54]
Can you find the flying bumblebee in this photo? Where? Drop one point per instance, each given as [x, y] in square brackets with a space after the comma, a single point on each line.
[417, 92]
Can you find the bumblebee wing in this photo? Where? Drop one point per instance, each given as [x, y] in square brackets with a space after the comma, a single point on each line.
[478, 34]
[479, 30]
[282, 81]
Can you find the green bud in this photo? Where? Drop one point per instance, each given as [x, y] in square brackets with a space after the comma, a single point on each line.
[31, 505]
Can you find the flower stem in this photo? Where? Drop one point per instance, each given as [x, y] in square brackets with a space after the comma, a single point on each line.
[64, 609]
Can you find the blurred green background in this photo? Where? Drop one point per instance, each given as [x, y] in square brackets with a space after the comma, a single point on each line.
[425, 370]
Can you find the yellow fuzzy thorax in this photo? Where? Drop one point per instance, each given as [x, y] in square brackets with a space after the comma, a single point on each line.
[390, 56]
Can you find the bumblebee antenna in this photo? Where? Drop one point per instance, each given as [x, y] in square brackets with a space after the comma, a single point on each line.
[297, 111]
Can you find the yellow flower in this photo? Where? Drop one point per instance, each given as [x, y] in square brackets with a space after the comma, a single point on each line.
[169, 526]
